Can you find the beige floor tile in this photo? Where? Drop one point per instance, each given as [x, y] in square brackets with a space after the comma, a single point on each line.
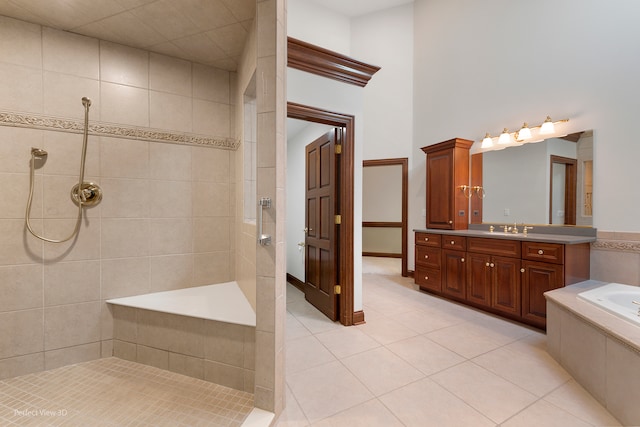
[425, 355]
[426, 404]
[369, 414]
[386, 330]
[424, 321]
[577, 401]
[545, 414]
[491, 395]
[295, 329]
[381, 370]
[305, 353]
[345, 342]
[466, 339]
[326, 390]
[533, 370]
[311, 318]
[292, 416]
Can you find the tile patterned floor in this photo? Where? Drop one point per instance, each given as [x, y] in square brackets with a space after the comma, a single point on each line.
[116, 392]
[423, 361]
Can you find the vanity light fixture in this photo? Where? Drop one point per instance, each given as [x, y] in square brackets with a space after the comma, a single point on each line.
[505, 137]
[547, 126]
[524, 132]
[487, 141]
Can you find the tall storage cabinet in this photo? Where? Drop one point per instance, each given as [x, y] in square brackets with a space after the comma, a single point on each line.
[447, 171]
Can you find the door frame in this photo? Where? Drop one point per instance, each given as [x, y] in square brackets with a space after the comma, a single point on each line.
[403, 162]
[570, 188]
[345, 241]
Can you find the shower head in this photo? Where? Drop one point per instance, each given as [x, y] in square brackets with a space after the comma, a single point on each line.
[38, 152]
[86, 101]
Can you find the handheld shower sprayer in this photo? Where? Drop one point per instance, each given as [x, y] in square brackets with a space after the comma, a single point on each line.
[82, 194]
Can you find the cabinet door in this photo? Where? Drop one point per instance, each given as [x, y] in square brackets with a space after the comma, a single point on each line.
[538, 278]
[440, 189]
[479, 278]
[454, 273]
[505, 289]
[428, 279]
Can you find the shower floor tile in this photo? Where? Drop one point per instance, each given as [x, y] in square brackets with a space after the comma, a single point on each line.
[116, 392]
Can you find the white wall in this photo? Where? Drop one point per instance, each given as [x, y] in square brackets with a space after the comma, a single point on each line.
[296, 195]
[315, 24]
[470, 79]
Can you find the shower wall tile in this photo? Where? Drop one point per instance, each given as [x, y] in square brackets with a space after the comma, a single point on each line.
[211, 165]
[171, 272]
[20, 333]
[224, 343]
[85, 246]
[124, 277]
[15, 191]
[210, 199]
[57, 200]
[124, 104]
[123, 158]
[23, 94]
[178, 334]
[124, 65]
[18, 246]
[211, 118]
[211, 267]
[15, 148]
[152, 357]
[65, 152]
[167, 74]
[170, 161]
[63, 95]
[124, 238]
[127, 198]
[70, 53]
[71, 282]
[20, 42]
[71, 355]
[186, 365]
[226, 375]
[210, 84]
[106, 323]
[170, 199]
[125, 326]
[20, 287]
[21, 365]
[106, 348]
[214, 235]
[171, 236]
[170, 111]
[71, 325]
[124, 350]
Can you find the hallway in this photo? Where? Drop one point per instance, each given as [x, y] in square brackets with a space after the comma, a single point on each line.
[423, 361]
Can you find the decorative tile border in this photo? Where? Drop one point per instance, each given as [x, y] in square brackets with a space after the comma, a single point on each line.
[617, 245]
[34, 121]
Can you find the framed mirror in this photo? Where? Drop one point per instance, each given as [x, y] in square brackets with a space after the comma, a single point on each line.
[544, 183]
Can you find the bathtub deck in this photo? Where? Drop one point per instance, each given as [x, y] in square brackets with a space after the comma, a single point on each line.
[222, 302]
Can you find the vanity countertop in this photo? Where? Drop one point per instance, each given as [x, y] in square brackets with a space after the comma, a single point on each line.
[566, 239]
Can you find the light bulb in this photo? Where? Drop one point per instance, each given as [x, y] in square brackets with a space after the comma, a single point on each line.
[547, 127]
[487, 141]
[524, 132]
[505, 138]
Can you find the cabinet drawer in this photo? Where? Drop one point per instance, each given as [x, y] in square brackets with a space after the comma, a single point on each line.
[499, 247]
[428, 278]
[454, 242]
[427, 239]
[428, 257]
[547, 252]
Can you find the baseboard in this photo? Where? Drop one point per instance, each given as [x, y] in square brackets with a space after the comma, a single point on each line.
[411, 273]
[295, 282]
[358, 317]
[382, 254]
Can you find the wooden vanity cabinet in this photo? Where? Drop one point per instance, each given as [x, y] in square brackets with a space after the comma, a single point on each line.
[428, 261]
[447, 170]
[454, 274]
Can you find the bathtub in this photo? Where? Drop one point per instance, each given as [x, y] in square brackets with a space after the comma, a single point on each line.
[206, 332]
[616, 299]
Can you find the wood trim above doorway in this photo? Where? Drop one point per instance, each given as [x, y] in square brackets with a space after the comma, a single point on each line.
[345, 264]
[326, 63]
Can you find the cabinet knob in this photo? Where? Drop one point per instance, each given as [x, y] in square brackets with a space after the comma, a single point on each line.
[426, 277]
[461, 259]
[492, 265]
[453, 242]
[522, 270]
[426, 239]
[540, 252]
[426, 257]
[487, 264]
[450, 222]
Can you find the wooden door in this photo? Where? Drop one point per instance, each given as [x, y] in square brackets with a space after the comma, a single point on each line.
[479, 279]
[454, 273]
[538, 278]
[439, 189]
[505, 291]
[321, 272]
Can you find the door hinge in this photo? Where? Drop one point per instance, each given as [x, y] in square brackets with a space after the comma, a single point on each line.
[337, 289]
[338, 149]
[338, 219]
